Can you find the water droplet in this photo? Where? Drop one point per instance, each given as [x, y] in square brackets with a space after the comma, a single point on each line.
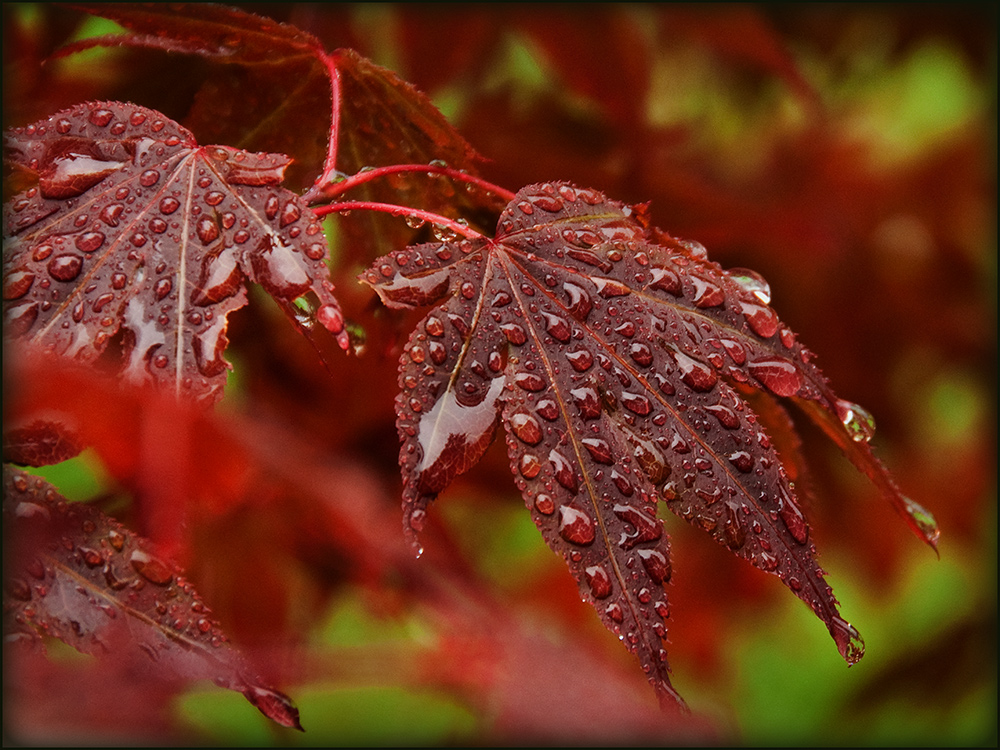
[697, 375]
[614, 611]
[761, 319]
[151, 568]
[149, 178]
[448, 432]
[581, 360]
[742, 460]
[706, 293]
[278, 269]
[793, 519]
[529, 381]
[779, 375]
[515, 334]
[608, 288]
[657, 565]
[289, 214]
[526, 427]
[563, 469]
[650, 460]
[110, 214]
[587, 401]
[169, 204]
[858, 421]
[101, 117]
[207, 230]
[646, 528]
[558, 327]
[91, 557]
[208, 347]
[547, 203]
[641, 354]
[17, 283]
[579, 301]
[599, 450]
[434, 326]
[752, 283]
[665, 279]
[733, 532]
[101, 302]
[529, 466]
[636, 403]
[599, 581]
[88, 242]
[116, 539]
[65, 267]
[735, 350]
[849, 642]
[547, 409]
[544, 504]
[575, 526]
[726, 416]
[924, 519]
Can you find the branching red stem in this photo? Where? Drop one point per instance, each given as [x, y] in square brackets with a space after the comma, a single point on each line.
[327, 190]
[405, 211]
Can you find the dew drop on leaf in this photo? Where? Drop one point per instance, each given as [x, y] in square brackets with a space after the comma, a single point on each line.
[656, 564]
[761, 319]
[779, 375]
[575, 526]
[151, 568]
[860, 424]
[752, 282]
[65, 267]
[849, 642]
[599, 581]
[526, 427]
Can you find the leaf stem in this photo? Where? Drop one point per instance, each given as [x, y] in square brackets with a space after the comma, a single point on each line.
[335, 189]
[390, 208]
[330, 165]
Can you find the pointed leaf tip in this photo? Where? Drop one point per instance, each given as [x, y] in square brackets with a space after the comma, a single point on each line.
[274, 705]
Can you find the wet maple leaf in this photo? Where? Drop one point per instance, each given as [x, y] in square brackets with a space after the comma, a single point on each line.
[614, 355]
[341, 107]
[80, 576]
[133, 227]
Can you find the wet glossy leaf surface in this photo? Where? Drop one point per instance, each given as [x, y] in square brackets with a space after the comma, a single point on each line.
[79, 576]
[610, 352]
[133, 230]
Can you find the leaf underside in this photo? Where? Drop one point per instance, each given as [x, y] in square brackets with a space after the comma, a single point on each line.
[133, 229]
[612, 354]
[74, 574]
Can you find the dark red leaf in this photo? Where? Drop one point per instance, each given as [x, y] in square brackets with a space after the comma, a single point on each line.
[40, 442]
[610, 352]
[377, 119]
[134, 227]
[79, 576]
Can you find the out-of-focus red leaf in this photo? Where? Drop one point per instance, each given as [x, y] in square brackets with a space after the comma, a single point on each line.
[741, 33]
[133, 226]
[40, 442]
[568, 38]
[79, 576]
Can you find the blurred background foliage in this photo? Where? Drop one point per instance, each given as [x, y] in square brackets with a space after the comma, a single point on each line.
[848, 153]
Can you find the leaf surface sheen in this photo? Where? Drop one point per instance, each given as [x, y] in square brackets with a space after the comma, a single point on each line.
[609, 351]
[80, 576]
[133, 226]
